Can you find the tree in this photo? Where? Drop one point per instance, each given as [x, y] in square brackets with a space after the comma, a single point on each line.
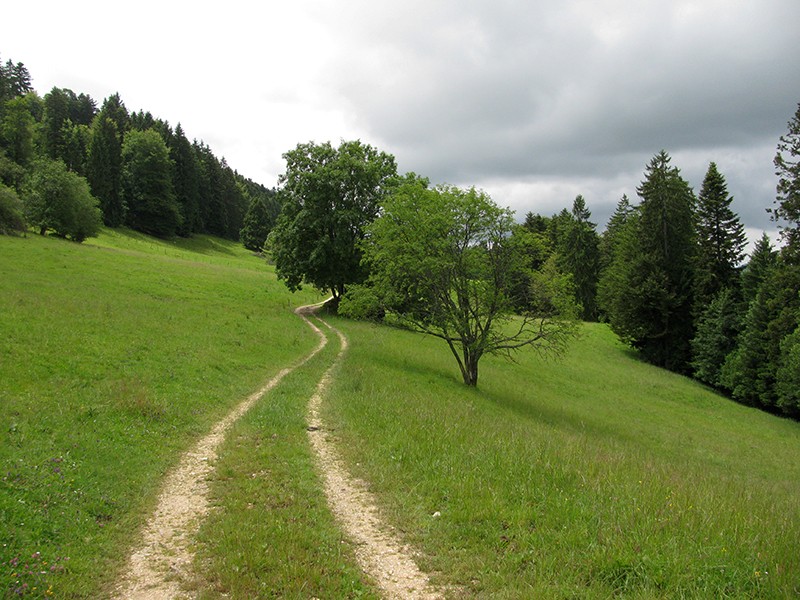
[104, 168]
[59, 200]
[788, 377]
[579, 255]
[11, 211]
[444, 261]
[762, 261]
[17, 130]
[720, 239]
[787, 168]
[718, 328]
[258, 221]
[185, 181]
[56, 115]
[656, 277]
[147, 184]
[751, 371]
[328, 197]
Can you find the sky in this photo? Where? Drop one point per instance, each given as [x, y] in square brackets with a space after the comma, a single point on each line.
[535, 102]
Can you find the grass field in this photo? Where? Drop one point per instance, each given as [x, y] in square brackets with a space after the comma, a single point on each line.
[593, 477]
[114, 357]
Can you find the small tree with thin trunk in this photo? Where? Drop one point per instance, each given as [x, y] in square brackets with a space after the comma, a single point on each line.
[445, 263]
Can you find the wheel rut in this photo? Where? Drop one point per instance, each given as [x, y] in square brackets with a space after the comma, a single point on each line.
[159, 567]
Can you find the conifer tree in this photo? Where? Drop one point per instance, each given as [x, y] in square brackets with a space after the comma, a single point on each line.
[104, 168]
[656, 277]
[787, 168]
[720, 239]
[579, 255]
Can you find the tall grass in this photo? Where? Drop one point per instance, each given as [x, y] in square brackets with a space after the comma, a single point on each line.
[113, 358]
[592, 477]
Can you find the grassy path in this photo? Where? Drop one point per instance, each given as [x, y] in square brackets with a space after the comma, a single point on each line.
[379, 552]
[160, 564]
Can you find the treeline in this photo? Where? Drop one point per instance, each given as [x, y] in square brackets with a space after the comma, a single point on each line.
[670, 276]
[67, 167]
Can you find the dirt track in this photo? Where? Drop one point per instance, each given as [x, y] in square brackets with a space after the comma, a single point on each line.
[160, 565]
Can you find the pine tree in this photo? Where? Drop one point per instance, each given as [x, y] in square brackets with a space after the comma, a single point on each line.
[720, 239]
[787, 168]
[656, 279]
[104, 168]
[185, 181]
[762, 261]
[579, 255]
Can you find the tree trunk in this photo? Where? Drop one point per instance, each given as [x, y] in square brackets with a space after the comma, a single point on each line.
[470, 369]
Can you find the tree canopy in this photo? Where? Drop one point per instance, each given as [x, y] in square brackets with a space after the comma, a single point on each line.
[328, 196]
[444, 261]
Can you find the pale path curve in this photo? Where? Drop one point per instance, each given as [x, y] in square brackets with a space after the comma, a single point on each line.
[161, 563]
[379, 552]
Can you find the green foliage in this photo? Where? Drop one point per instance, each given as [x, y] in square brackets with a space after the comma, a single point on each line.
[718, 328]
[788, 376]
[445, 262]
[720, 239]
[11, 211]
[59, 200]
[147, 184]
[361, 303]
[15, 81]
[186, 181]
[650, 305]
[762, 261]
[328, 196]
[787, 166]
[17, 130]
[104, 169]
[579, 254]
[751, 371]
[260, 219]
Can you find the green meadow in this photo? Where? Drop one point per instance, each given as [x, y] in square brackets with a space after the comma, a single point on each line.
[594, 476]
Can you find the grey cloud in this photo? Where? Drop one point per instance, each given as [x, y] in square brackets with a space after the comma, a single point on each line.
[581, 91]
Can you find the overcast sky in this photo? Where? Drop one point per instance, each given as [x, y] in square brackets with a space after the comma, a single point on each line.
[535, 102]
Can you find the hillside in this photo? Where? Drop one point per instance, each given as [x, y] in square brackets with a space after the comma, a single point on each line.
[587, 477]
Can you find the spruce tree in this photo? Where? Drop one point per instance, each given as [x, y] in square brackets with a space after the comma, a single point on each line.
[656, 279]
[720, 239]
[104, 168]
[579, 255]
[185, 181]
[787, 168]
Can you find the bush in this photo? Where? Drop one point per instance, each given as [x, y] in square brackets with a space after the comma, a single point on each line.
[361, 303]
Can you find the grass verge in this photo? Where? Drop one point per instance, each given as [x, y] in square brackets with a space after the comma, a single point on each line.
[592, 477]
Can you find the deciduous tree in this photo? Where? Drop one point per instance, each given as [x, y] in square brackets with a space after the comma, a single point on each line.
[328, 197]
[147, 184]
[59, 200]
[444, 261]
